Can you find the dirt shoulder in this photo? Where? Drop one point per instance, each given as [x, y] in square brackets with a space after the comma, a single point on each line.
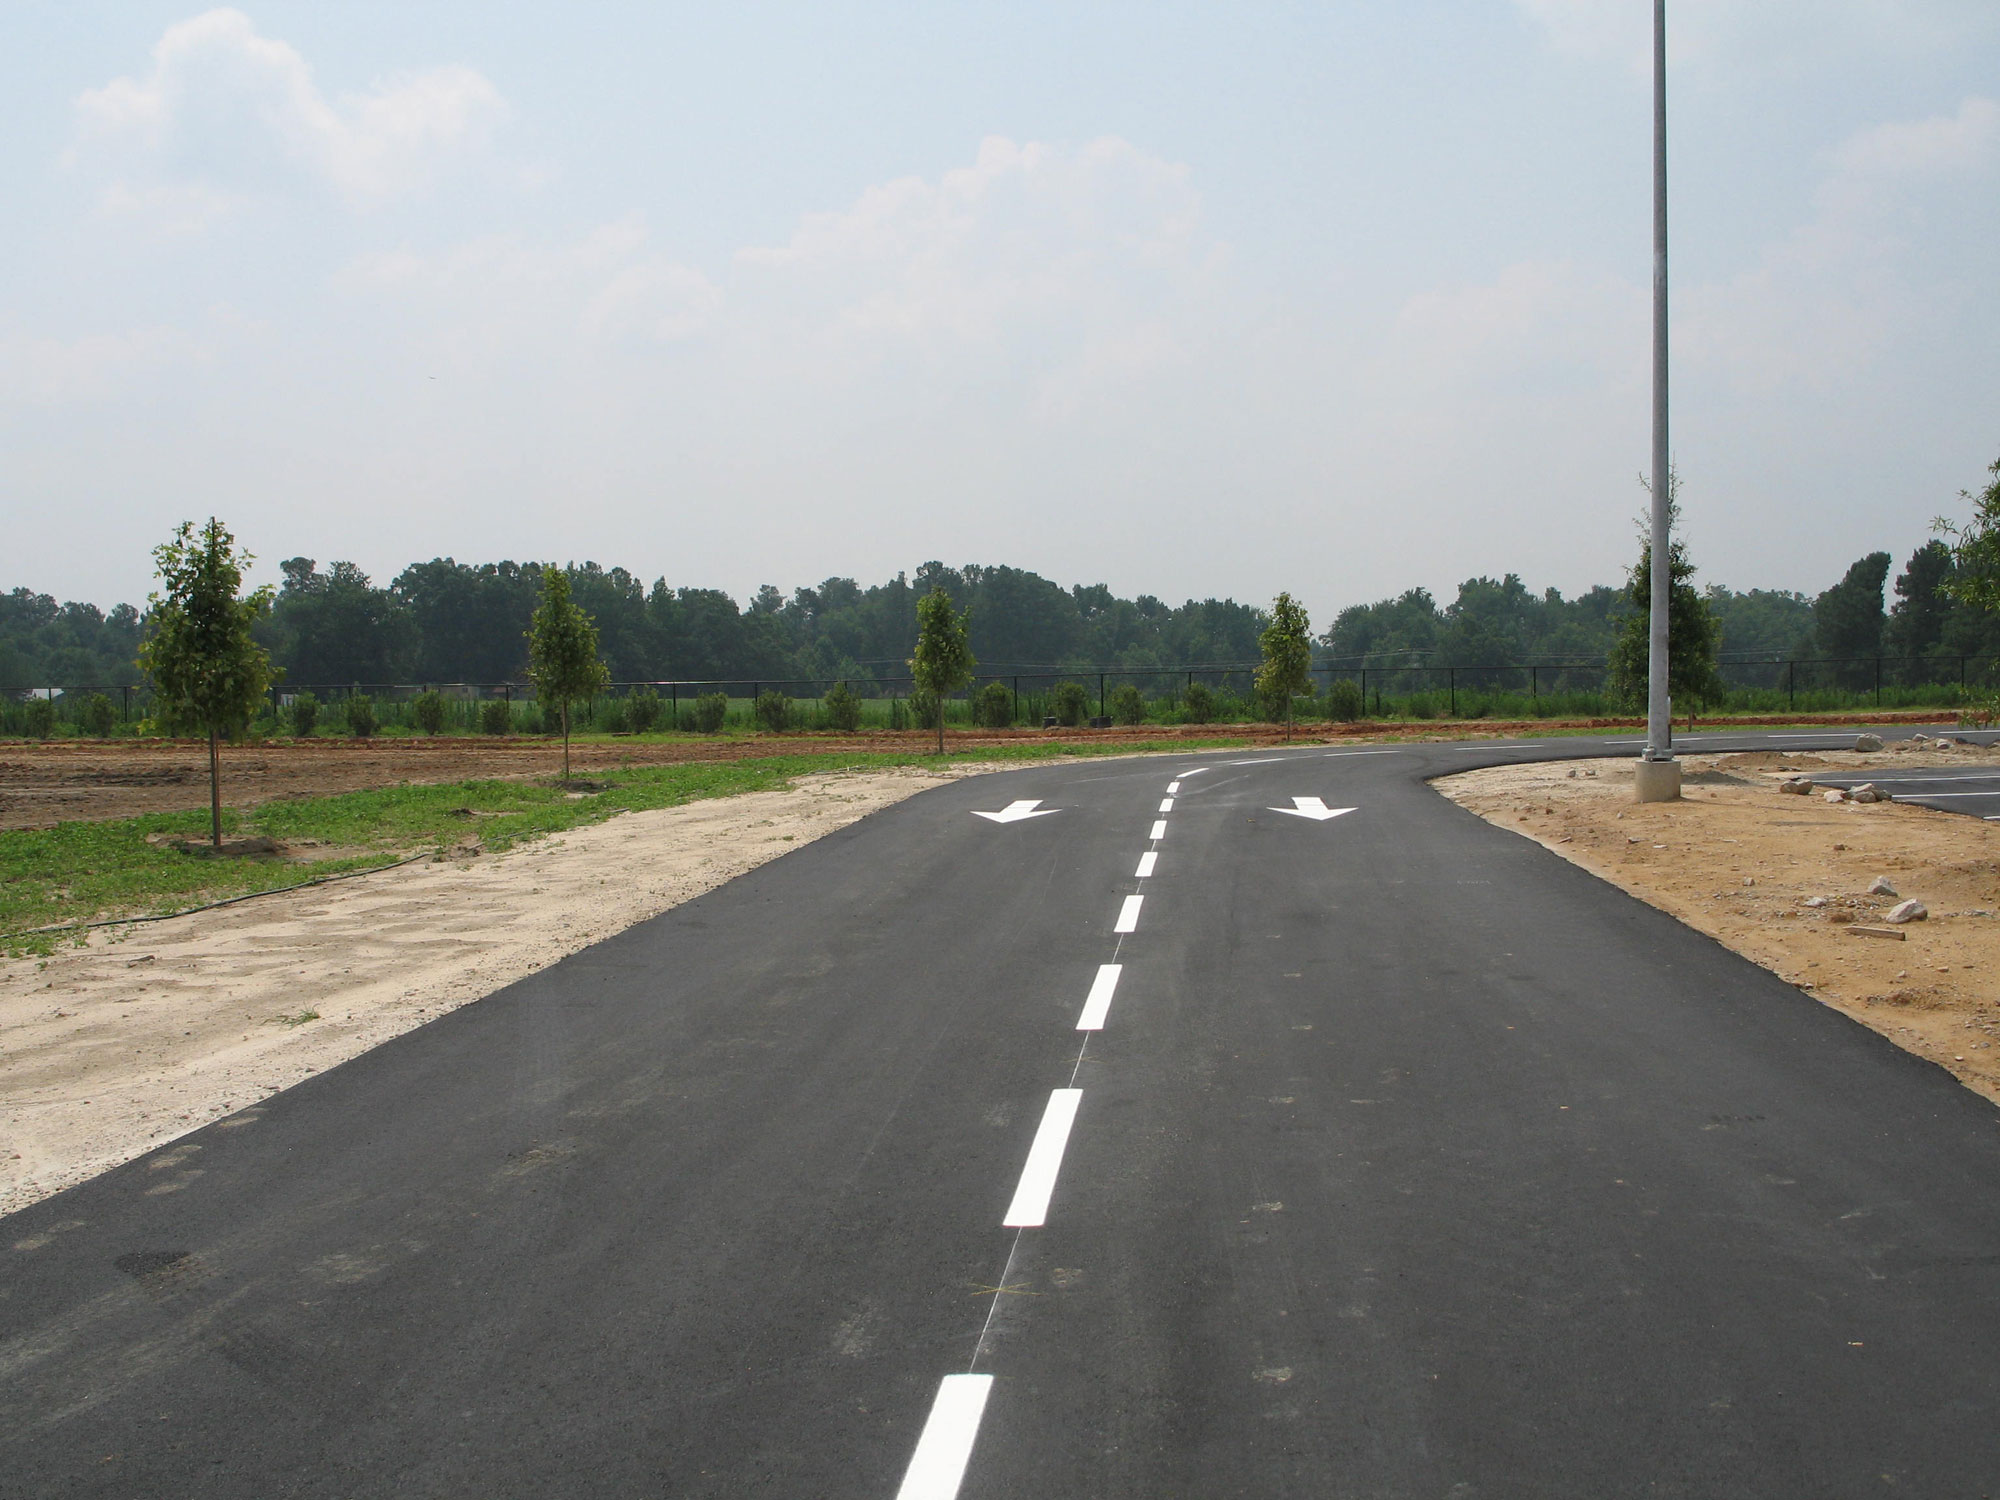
[149, 1032]
[1784, 881]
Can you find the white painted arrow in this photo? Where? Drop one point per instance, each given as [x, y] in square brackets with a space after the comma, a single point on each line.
[1314, 808]
[1013, 812]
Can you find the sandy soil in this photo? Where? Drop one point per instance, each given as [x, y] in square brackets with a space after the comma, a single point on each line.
[1784, 880]
[149, 1032]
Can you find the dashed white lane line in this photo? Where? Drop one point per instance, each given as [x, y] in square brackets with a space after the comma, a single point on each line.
[1146, 863]
[1166, 804]
[1030, 1208]
[937, 1468]
[1097, 1005]
[1172, 787]
[1160, 829]
[1197, 771]
[1128, 915]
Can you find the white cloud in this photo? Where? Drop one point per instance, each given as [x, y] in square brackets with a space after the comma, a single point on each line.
[47, 372]
[1823, 305]
[224, 111]
[1068, 270]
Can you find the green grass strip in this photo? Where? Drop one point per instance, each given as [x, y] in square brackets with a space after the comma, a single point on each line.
[93, 872]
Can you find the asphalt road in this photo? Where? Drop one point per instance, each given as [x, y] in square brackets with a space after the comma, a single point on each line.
[1402, 1159]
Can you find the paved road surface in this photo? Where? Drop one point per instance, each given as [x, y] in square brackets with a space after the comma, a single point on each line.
[1402, 1159]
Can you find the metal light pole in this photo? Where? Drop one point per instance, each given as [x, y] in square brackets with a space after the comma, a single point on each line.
[1659, 774]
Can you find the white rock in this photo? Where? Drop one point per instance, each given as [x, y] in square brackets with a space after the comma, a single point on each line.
[1868, 742]
[1815, 901]
[1834, 796]
[1908, 911]
[1881, 887]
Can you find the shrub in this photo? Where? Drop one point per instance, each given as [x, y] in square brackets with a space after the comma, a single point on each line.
[496, 716]
[1198, 703]
[993, 708]
[642, 710]
[843, 709]
[359, 711]
[39, 719]
[98, 717]
[305, 714]
[710, 709]
[925, 707]
[899, 714]
[428, 710]
[773, 710]
[1343, 701]
[1070, 703]
[1128, 705]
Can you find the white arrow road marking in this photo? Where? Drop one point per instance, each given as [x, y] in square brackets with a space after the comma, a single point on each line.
[938, 1466]
[1013, 812]
[1312, 807]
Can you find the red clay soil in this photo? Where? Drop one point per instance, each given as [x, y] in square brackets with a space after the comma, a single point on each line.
[47, 782]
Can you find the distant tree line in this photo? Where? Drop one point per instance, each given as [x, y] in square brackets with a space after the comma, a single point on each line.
[1498, 622]
[447, 621]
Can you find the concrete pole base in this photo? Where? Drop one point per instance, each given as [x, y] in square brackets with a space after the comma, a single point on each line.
[1657, 780]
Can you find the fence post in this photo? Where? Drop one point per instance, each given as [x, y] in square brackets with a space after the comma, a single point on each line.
[1791, 685]
[1878, 682]
[1100, 695]
[127, 691]
[1534, 685]
[1453, 679]
[1017, 697]
[1364, 690]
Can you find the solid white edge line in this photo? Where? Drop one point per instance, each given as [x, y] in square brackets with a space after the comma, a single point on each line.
[1128, 915]
[1160, 829]
[1166, 804]
[1030, 1208]
[937, 1468]
[1097, 1004]
[1146, 863]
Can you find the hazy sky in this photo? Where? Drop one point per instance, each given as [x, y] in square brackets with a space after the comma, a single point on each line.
[1191, 300]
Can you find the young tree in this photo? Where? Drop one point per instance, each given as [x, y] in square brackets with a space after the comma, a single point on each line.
[1287, 646]
[943, 662]
[207, 670]
[1975, 549]
[1692, 636]
[1848, 620]
[562, 651]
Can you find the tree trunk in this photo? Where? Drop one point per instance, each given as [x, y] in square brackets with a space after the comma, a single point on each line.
[940, 714]
[214, 789]
[565, 713]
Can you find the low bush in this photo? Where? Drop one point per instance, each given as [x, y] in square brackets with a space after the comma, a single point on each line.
[925, 706]
[39, 717]
[305, 714]
[98, 717]
[1128, 705]
[993, 708]
[899, 714]
[710, 709]
[359, 711]
[496, 716]
[843, 709]
[1070, 704]
[428, 710]
[774, 711]
[642, 710]
[1198, 703]
[1343, 701]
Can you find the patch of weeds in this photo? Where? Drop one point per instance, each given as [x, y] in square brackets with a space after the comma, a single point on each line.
[298, 1020]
